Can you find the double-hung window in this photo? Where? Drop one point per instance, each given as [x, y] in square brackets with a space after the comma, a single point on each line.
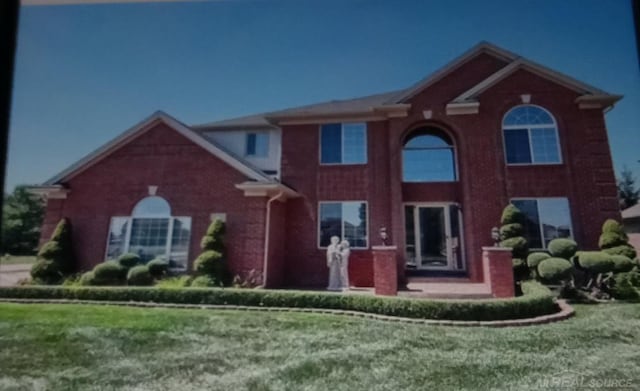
[530, 136]
[346, 220]
[257, 144]
[344, 143]
[151, 232]
[546, 219]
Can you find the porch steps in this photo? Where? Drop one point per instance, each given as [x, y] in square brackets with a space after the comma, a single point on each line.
[446, 290]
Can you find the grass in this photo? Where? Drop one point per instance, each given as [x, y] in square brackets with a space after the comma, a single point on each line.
[61, 347]
[17, 259]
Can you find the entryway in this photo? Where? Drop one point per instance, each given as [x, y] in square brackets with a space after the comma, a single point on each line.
[434, 237]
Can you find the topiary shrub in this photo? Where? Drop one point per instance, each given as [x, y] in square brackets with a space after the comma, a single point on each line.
[204, 282]
[87, 278]
[535, 258]
[554, 270]
[58, 249]
[139, 275]
[614, 240]
[511, 232]
[51, 251]
[209, 263]
[518, 246]
[46, 272]
[129, 260]
[595, 262]
[563, 248]
[158, 267]
[214, 237]
[512, 215]
[625, 286]
[622, 264]
[109, 273]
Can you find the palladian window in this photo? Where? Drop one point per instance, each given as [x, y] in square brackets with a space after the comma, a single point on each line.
[428, 156]
[151, 231]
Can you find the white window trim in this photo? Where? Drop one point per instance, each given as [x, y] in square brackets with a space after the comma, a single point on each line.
[342, 125]
[528, 128]
[540, 222]
[127, 241]
[246, 144]
[319, 225]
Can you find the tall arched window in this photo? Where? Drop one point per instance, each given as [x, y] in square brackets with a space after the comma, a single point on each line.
[151, 231]
[530, 136]
[428, 156]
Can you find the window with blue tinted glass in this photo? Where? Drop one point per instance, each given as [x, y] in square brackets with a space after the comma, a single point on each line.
[546, 219]
[346, 220]
[530, 136]
[428, 157]
[257, 144]
[343, 143]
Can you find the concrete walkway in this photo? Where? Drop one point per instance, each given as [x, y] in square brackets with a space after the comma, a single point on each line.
[12, 273]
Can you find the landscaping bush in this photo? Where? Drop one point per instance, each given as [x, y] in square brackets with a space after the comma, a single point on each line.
[535, 258]
[209, 263]
[554, 270]
[512, 215]
[46, 272]
[58, 249]
[140, 276]
[563, 248]
[214, 237]
[625, 250]
[622, 264]
[158, 267]
[615, 241]
[87, 278]
[511, 234]
[594, 261]
[511, 230]
[109, 273]
[625, 286]
[537, 300]
[175, 282]
[203, 282]
[520, 269]
[129, 260]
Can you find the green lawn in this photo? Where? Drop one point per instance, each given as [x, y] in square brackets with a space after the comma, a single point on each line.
[111, 348]
[17, 259]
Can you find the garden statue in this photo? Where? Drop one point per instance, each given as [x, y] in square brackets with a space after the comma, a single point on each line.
[333, 263]
[345, 251]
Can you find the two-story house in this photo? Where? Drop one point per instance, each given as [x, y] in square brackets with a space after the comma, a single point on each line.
[434, 164]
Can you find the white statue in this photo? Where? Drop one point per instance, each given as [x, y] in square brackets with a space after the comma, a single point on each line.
[334, 263]
[345, 251]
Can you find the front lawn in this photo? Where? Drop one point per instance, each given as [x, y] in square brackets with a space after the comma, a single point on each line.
[111, 348]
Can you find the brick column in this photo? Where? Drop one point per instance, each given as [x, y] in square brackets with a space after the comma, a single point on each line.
[385, 270]
[498, 271]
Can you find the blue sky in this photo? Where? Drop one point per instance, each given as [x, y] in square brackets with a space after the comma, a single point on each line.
[86, 73]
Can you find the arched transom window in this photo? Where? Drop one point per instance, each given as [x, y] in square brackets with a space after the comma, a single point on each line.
[530, 136]
[151, 231]
[428, 156]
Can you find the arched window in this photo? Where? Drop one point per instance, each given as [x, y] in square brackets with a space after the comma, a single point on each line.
[151, 232]
[530, 136]
[428, 156]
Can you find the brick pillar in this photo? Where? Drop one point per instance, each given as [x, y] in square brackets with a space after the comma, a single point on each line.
[385, 270]
[498, 271]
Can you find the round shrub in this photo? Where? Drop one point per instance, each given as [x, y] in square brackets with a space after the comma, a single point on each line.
[46, 272]
[109, 273]
[563, 248]
[129, 260]
[87, 278]
[625, 249]
[209, 263]
[511, 215]
[158, 267]
[625, 286]
[518, 246]
[595, 261]
[611, 239]
[612, 226]
[203, 282]
[535, 258]
[554, 269]
[511, 230]
[139, 275]
[621, 264]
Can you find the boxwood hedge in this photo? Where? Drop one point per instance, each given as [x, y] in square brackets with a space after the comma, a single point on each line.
[537, 300]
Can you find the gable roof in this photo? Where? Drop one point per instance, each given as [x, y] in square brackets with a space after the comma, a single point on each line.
[145, 125]
[395, 99]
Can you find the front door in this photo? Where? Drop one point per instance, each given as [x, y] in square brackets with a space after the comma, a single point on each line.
[433, 237]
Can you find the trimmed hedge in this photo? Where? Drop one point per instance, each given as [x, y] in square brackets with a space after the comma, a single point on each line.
[537, 300]
[46, 272]
[594, 261]
[158, 267]
[554, 269]
[563, 248]
[622, 264]
[109, 273]
[624, 249]
[535, 258]
[129, 260]
[139, 275]
[209, 263]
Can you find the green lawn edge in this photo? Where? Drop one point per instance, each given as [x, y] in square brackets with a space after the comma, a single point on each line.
[536, 301]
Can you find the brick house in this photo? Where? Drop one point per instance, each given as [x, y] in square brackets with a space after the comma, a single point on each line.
[434, 164]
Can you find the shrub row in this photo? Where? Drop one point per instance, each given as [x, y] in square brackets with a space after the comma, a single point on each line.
[537, 300]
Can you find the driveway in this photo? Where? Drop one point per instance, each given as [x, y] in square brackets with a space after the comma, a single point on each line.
[11, 274]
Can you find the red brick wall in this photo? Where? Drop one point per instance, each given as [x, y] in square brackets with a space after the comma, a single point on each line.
[194, 182]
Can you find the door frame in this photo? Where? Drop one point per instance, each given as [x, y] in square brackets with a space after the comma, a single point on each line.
[447, 226]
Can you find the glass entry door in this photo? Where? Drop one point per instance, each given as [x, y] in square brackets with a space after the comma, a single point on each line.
[433, 237]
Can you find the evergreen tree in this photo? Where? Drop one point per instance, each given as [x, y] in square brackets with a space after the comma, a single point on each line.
[22, 215]
[628, 194]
